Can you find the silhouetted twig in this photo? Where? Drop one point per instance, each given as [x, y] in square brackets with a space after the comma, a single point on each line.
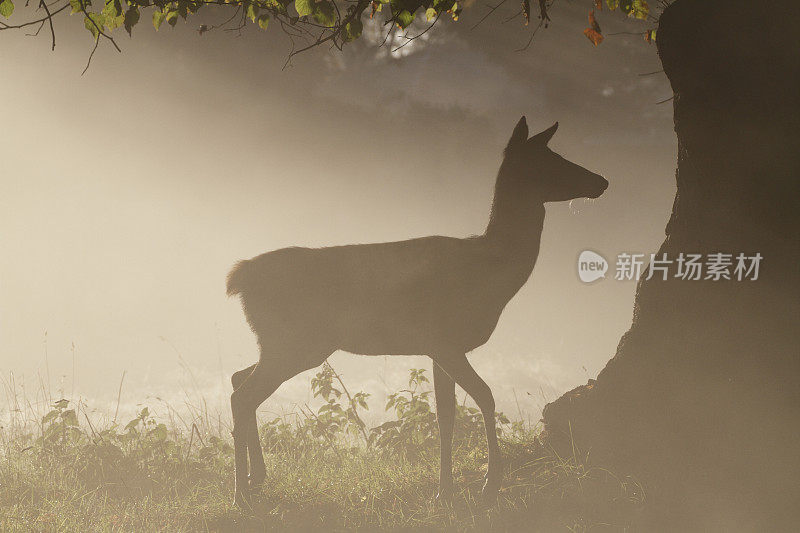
[492, 9]
[119, 395]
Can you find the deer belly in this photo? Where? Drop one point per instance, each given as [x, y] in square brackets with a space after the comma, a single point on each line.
[421, 333]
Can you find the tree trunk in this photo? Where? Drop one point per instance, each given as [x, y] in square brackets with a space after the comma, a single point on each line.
[701, 400]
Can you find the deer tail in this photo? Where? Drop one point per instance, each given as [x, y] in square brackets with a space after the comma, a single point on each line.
[238, 277]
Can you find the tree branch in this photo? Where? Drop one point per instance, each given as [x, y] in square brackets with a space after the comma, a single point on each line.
[426, 30]
[43, 4]
[491, 10]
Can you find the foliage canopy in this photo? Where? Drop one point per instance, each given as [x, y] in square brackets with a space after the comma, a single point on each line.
[307, 23]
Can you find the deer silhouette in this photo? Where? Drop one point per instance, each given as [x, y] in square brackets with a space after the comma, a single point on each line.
[436, 296]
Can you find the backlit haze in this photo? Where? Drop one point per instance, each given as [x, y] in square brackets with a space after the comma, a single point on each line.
[127, 194]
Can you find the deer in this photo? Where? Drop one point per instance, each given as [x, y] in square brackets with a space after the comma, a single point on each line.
[436, 296]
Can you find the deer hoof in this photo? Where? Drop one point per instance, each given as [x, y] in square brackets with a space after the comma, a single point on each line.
[242, 500]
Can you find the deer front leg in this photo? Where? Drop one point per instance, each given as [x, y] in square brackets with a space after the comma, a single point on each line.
[444, 387]
[462, 372]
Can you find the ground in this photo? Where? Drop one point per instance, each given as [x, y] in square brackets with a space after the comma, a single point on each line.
[324, 471]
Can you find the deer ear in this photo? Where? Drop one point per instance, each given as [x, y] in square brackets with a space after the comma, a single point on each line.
[520, 134]
[544, 137]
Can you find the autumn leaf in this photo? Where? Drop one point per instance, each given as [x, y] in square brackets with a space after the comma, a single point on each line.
[598, 4]
[526, 11]
[593, 22]
[593, 36]
[455, 11]
[593, 32]
[650, 36]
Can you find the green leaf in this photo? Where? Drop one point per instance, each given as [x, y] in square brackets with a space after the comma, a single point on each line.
[69, 417]
[76, 6]
[131, 18]
[324, 13]
[94, 23]
[639, 9]
[6, 8]
[172, 19]
[430, 14]
[49, 416]
[113, 8]
[304, 7]
[159, 432]
[112, 15]
[626, 6]
[263, 21]
[252, 12]
[61, 404]
[612, 4]
[158, 18]
[404, 18]
[278, 6]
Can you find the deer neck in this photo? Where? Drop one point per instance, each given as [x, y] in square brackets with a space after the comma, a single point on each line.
[516, 238]
[516, 220]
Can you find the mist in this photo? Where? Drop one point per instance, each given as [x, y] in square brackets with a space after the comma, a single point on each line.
[129, 192]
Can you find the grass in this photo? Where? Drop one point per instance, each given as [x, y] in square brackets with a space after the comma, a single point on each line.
[325, 471]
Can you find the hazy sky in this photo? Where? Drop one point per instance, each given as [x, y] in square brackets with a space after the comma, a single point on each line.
[128, 193]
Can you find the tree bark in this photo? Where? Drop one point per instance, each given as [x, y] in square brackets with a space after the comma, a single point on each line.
[701, 400]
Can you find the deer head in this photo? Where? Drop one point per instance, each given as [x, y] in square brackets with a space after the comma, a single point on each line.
[548, 176]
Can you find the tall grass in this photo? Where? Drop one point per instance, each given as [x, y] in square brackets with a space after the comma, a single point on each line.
[326, 469]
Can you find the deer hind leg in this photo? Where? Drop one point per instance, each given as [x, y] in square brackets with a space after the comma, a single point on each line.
[266, 376]
[445, 390]
[258, 469]
[244, 401]
[462, 372]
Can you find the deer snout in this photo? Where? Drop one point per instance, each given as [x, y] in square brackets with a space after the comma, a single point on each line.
[600, 187]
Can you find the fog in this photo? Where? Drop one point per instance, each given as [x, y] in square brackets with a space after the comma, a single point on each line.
[129, 192]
